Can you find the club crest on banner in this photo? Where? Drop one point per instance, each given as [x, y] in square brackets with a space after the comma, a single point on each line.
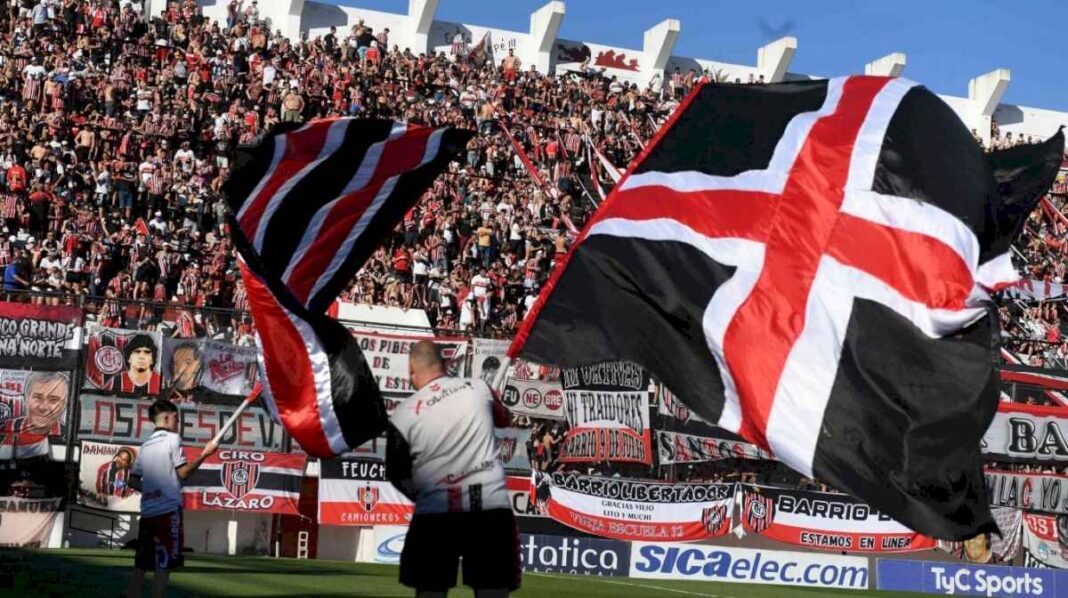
[507, 446]
[368, 497]
[714, 519]
[758, 511]
[239, 477]
[454, 354]
[226, 368]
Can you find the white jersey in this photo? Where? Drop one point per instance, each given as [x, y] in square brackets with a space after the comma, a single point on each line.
[160, 455]
[448, 426]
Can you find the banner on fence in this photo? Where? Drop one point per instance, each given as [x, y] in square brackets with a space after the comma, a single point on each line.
[124, 362]
[104, 474]
[634, 510]
[27, 522]
[1028, 434]
[519, 491]
[202, 369]
[33, 412]
[244, 480]
[683, 437]
[677, 417]
[117, 419]
[574, 556]
[40, 337]
[1046, 493]
[356, 492]
[607, 409]
[534, 398]
[988, 548]
[747, 565]
[825, 521]
[951, 579]
[387, 354]
[512, 443]
[1045, 538]
[676, 448]
[487, 356]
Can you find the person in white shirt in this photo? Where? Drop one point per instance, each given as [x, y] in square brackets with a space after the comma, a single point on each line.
[480, 288]
[158, 223]
[442, 453]
[157, 474]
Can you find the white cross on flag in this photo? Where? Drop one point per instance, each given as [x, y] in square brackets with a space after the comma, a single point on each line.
[808, 265]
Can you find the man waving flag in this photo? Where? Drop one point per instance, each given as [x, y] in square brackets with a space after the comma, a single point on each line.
[310, 205]
[808, 265]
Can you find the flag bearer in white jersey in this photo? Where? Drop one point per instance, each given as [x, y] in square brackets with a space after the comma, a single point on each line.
[157, 474]
[443, 455]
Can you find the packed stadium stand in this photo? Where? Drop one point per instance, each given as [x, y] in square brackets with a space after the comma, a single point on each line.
[118, 122]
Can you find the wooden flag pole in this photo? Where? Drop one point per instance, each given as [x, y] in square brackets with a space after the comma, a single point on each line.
[252, 396]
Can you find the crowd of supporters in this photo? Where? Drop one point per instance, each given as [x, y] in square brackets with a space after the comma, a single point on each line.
[118, 132]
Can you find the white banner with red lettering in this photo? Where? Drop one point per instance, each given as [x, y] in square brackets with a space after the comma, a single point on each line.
[387, 354]
[825, 521]
[634, 510]
[357, 492]
[1046, 539]
[607, 409]
[1047, 493]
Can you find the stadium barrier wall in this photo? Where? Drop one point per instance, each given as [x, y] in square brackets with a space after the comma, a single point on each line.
[957, 579]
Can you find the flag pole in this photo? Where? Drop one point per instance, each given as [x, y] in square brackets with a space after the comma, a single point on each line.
[252, 396]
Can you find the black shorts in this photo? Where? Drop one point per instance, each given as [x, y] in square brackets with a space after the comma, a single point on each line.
[488, 541]
[159, 542]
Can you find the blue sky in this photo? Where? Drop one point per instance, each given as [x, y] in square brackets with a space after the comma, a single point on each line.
[947, 41]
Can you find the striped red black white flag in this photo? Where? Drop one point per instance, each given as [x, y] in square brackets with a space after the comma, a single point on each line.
[309, 205]
[807, 265]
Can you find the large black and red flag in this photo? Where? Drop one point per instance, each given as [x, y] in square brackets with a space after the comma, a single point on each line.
[310, 205]
[808, 265]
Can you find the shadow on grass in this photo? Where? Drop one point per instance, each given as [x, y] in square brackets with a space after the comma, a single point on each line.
[106, 572]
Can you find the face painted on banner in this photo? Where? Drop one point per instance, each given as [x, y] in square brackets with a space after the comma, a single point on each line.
[185, 367]
[141, 360]
[46, 399]
[122, 459]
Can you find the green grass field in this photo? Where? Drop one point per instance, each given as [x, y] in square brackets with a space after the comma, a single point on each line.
[88, 573]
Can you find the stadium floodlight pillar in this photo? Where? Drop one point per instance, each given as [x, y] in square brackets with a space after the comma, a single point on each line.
[544, 27]
[656, 48]
[421, 16]
[984, 94]
[891, 65]
[773, 60]
[282, 15]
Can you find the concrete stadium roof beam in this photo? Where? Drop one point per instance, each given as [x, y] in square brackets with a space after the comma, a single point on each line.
[658, 43]
[421, 13]
[984, 95]
[773, 60]
[544, 27]
[891, 65]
